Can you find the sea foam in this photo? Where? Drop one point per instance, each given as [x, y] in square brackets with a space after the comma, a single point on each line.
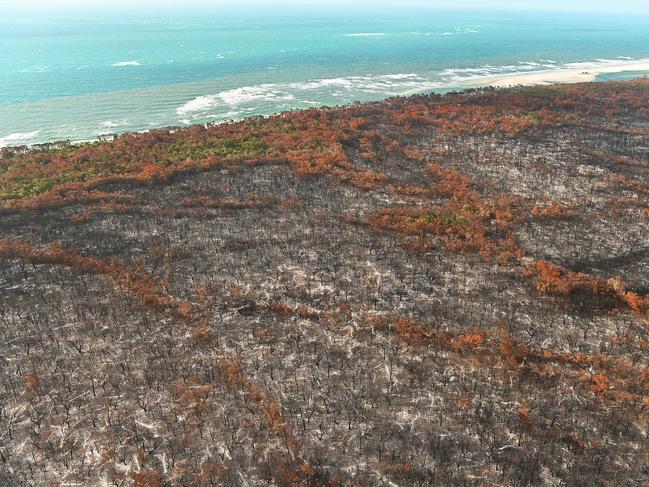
[249, 98]
[198, 104]
[127, 63]
[235, 97]
[113, 124]
[281, 96]
[366, 34]
[17, 138]
[247, 94]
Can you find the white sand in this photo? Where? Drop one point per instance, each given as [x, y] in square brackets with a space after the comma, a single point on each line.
[578, 74]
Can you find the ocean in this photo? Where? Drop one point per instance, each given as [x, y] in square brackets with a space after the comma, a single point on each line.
[90, 74]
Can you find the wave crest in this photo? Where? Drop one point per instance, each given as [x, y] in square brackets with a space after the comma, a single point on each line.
[365, 34]
[17, 138]
[127, 63]
[346, 89]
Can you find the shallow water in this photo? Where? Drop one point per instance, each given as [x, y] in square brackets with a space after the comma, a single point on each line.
[95, 74]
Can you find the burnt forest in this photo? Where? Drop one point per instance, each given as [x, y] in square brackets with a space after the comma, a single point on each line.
[436, 290]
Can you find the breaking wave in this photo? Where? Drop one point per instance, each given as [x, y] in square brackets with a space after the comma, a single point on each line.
[18, 138]
[236, 97]
[285, 95]
[274, 97]
[127, 63]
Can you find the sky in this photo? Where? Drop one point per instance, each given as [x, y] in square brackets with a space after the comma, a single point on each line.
[622, 6]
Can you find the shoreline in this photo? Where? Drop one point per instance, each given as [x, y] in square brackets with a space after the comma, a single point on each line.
[583, 73]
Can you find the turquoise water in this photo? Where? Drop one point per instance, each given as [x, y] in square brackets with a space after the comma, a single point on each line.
[86, 75]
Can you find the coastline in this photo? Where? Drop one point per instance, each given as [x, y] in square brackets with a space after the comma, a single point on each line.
[583, 73]
[576, 73]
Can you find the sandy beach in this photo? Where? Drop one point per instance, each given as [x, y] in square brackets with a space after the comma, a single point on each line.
[580, 73]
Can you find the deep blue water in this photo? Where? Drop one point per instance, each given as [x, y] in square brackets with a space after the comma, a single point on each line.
[79, 76]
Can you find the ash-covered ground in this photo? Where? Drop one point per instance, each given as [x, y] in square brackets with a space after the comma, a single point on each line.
[467, 308]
